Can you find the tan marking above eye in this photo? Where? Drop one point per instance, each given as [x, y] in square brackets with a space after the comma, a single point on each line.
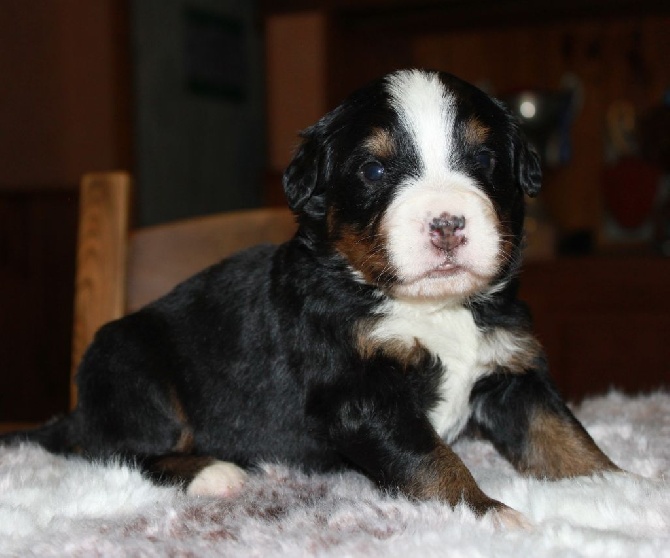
[475, 132]
[381, 144]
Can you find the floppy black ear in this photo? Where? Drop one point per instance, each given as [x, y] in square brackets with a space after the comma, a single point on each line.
[301, 177]
[528, 168]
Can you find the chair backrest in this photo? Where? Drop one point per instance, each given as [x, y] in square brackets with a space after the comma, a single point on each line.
[119, 270]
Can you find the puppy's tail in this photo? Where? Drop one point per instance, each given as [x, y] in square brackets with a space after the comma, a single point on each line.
[56, 436]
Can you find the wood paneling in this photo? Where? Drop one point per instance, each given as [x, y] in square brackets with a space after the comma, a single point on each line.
[37, 244]
[65, 109]
[65, 99]
[604, 322]
[296, 74]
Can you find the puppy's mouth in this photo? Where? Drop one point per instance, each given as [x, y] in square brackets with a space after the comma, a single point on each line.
[445, 269]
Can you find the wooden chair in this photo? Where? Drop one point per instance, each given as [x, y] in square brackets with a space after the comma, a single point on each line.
[119, 271]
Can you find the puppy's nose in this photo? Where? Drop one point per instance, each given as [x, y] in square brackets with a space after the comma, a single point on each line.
[446, 231]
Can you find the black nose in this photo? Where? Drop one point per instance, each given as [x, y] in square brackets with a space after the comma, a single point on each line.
[443, 229]
[447, 224]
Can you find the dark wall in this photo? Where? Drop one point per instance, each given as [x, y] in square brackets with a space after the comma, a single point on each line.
[199, 107]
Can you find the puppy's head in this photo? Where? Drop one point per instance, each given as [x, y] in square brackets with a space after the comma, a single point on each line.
[417, 181]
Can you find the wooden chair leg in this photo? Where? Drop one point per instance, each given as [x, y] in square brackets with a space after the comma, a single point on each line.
[100, 294]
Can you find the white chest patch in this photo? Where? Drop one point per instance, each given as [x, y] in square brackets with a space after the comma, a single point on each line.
[450, 333]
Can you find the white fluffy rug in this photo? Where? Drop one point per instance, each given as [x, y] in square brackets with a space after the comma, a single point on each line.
[50, 506]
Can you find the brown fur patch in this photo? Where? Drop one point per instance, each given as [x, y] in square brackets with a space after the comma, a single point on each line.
[184, 443]
[395, 348]
[558, 448]
[381, 144]
[526, 358]
[475, 132]
[443, 476]
[365, 250]
[515, 352]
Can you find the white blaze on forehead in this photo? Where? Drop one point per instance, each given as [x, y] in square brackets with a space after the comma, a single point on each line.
[427, 112]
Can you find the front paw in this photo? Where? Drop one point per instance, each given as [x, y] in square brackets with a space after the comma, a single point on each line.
[506, 518]
[500, 515]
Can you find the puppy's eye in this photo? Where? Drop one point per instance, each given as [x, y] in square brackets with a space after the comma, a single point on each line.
[484, 160]
[373, 171]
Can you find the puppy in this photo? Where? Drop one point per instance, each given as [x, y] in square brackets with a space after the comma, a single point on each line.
[371, 340]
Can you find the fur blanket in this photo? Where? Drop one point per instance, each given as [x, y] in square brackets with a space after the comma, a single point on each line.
[51, 506]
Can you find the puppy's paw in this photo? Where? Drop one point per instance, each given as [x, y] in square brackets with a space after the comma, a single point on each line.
[505, 518]
[220, 479]
[501, 516]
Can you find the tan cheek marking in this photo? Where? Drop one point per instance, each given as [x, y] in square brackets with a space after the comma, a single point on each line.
[476, 132]
[558, 448]
[381, 144]
[365, 251]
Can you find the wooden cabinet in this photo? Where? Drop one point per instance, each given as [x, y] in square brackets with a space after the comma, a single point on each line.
[604, 321]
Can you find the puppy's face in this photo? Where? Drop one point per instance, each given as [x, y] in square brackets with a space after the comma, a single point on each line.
[418, 182]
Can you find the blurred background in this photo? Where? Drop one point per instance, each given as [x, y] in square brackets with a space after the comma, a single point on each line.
[202, 101]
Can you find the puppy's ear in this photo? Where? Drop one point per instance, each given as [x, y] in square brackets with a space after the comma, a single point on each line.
[528, 168]
[301, 177]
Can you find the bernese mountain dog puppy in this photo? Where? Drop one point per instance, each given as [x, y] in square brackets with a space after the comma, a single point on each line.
[384, 329]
